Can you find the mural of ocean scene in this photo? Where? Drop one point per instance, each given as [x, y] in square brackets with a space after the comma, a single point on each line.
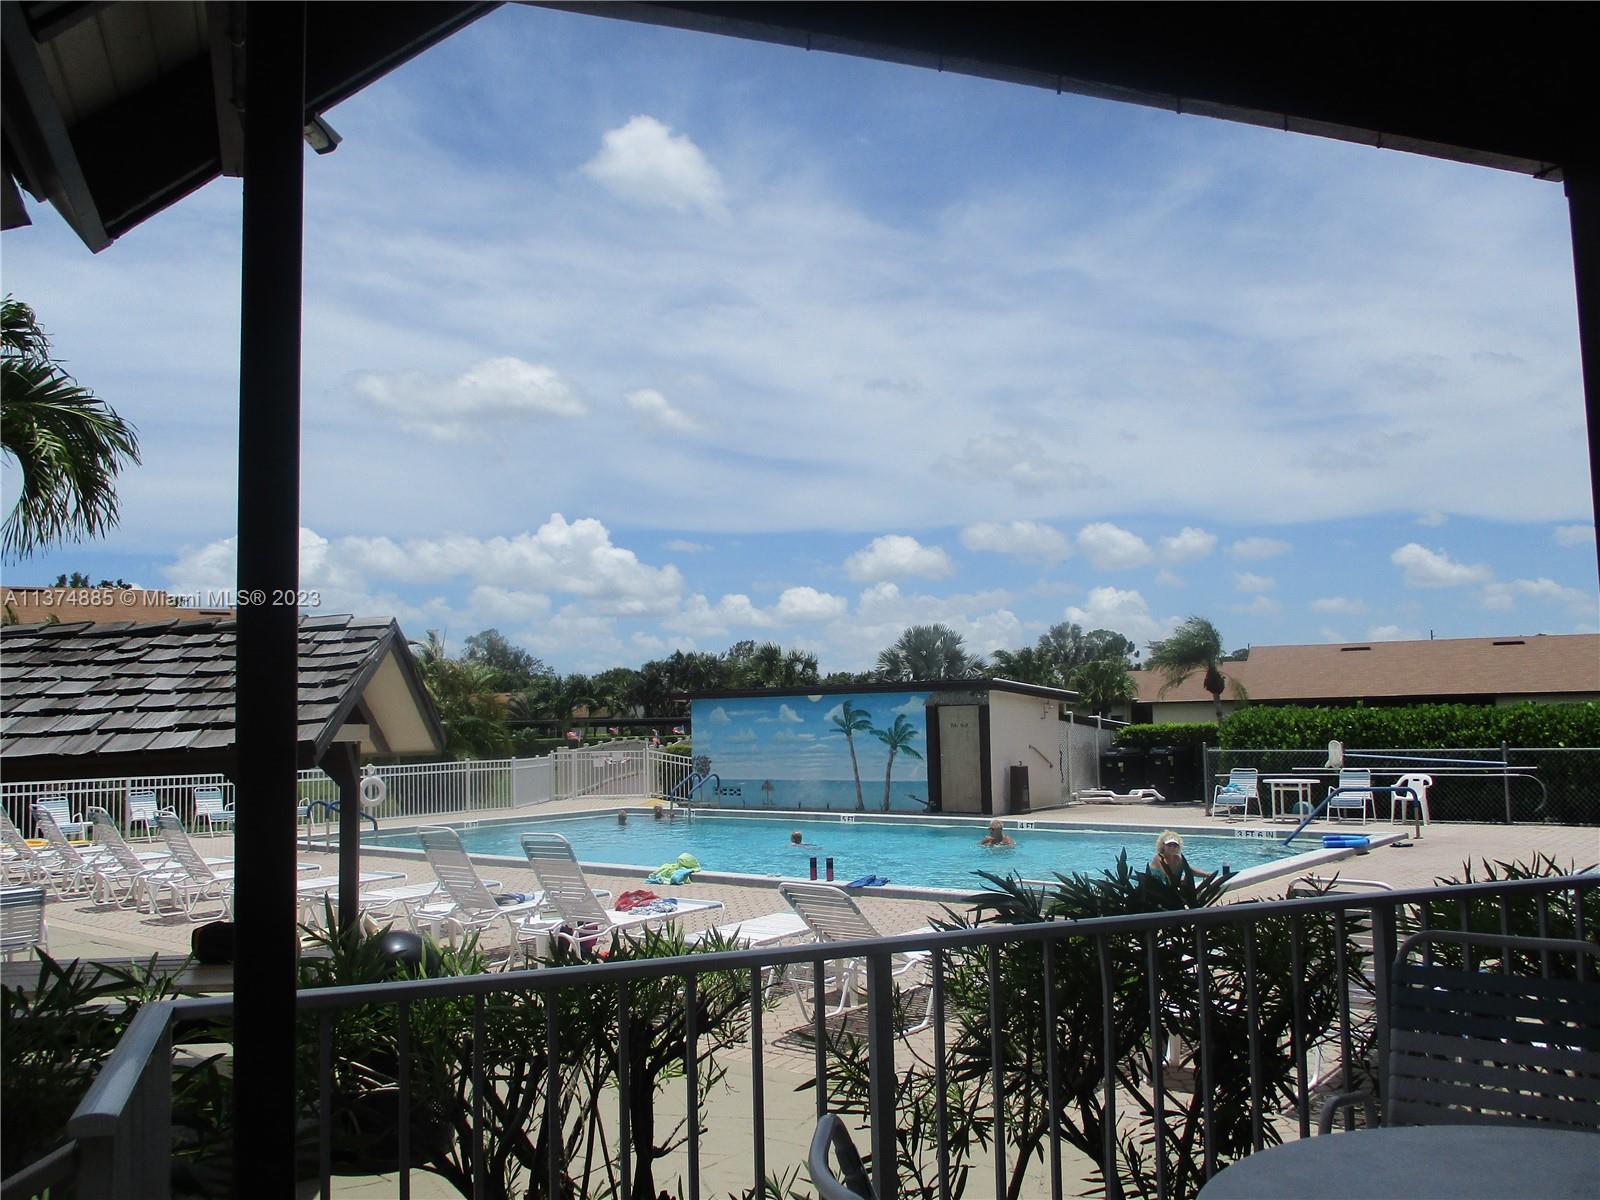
[842, 753]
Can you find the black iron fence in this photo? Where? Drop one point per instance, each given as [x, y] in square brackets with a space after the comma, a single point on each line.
[1140, 1052]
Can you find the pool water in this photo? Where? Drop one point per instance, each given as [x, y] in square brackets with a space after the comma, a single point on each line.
[912, 854]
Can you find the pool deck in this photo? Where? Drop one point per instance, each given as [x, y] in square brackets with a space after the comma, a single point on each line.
[79, 928]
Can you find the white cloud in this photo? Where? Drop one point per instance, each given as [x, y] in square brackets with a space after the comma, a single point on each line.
[496, 391]
[896, 556]
[492, 604]
[1433, 520]
[1259, 547]
[1020, 461]
[1338, 604]
[1574, 535]
[788, 715]
[799, 605]
[1123, 611]
[1426, 568]
[656, 412]
[719, 716]
[1111, 547]
[1188, 544]
[1249, 581]
[680, 546]
[1392, 633]
[1167, 578]
[646, 164]
[700, 617]
[1500, 597]
[1259, 606]
[1023, 539]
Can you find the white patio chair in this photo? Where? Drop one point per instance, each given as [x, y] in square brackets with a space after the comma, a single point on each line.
[1400, 806]
[1242, 789]
[116, 880]
[833, 916]
[21, 921]
[143, 807]
[72, 825]
[566, 890]
[468, 904]
[1359, 782]
[195, 884]
[210, 807]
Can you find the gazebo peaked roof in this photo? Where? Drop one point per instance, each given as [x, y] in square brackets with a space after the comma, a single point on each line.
[118, 698]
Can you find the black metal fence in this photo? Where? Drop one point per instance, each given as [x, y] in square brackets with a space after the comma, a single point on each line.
[1143, 1052]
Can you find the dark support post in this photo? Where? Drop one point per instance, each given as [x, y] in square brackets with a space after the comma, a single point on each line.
[1583, 209]
[880, 1074]
[266, 714]
[343, 764]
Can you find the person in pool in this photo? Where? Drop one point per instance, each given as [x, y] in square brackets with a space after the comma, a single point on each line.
[799, 843]
[997, 835]
[622, 818]
[1170, 862]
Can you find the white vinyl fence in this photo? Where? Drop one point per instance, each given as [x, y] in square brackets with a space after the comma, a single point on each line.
[627, 770]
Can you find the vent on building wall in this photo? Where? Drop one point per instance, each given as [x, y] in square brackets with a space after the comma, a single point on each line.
[1348, 649]
[1512, 642]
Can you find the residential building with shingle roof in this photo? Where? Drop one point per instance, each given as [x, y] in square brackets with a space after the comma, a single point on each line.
[1546, 667]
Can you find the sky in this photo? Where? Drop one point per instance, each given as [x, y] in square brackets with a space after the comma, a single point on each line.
[624, 340]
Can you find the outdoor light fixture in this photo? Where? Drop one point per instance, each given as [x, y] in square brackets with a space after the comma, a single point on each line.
[322, 137]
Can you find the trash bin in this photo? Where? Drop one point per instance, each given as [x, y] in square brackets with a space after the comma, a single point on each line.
[1158, 770]
[1122, 768]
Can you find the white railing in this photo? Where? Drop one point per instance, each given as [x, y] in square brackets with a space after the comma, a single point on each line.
[621, 770]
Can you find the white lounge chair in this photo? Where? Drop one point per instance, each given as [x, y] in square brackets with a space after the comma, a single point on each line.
[1240, 791]
[313, 893]
[21, 921]
[196, 884]
[117, 880]
[1359, 782]
[832, 916]
[68, 868]
[467, 903]
[769, 930]
[19, 862]
[210, 807]
[566, 890]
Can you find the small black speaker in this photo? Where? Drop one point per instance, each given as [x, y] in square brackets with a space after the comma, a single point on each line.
[398, 946]
[212, 945]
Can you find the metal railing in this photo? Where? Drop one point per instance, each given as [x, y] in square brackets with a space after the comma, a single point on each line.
[1264, 990]
[616, 770]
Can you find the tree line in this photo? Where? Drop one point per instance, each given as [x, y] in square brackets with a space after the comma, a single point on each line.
[495, 698]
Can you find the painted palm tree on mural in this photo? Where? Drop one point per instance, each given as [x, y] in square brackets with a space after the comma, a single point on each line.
[851, 721]
[898, 738]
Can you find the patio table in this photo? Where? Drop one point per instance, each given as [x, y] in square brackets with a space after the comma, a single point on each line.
[1419, 1162]
[1281, 787]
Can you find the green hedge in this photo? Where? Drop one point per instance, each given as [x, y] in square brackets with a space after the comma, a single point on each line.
[1431, 726]
[1142, 737]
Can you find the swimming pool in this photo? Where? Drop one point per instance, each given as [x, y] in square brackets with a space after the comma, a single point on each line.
[909, 853]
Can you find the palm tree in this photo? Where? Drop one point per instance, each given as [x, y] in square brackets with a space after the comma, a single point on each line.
[851, 721]
[556, 698]
[1031, 664]
[898, 738]
[1103, 684]
[1196, 645]
[68, 444]
[928, 652]
[466, 693]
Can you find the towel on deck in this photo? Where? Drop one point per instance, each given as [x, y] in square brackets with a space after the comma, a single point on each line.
[679, 870]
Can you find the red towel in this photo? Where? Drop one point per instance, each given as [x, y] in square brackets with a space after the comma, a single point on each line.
[635, 899]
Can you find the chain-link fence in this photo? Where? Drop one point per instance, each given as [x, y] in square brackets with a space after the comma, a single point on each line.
[1550, 785]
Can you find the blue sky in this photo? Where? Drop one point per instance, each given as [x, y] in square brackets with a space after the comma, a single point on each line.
[622, 340]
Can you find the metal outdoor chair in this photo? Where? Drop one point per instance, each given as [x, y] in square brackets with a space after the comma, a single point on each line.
[1242, 789]
[210, 807]
[1485, 1042]
[21, 921]
[851, 1181]
[1352, 793]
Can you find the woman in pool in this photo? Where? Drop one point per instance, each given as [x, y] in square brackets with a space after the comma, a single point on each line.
[1170, 862]
[997, 835]
[799, 843]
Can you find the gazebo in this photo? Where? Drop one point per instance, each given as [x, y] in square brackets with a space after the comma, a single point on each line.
[114, 112]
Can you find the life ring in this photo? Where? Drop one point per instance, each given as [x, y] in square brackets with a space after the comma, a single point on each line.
[373, 791]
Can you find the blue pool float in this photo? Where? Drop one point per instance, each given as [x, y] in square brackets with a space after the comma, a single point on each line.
[1346, 841]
